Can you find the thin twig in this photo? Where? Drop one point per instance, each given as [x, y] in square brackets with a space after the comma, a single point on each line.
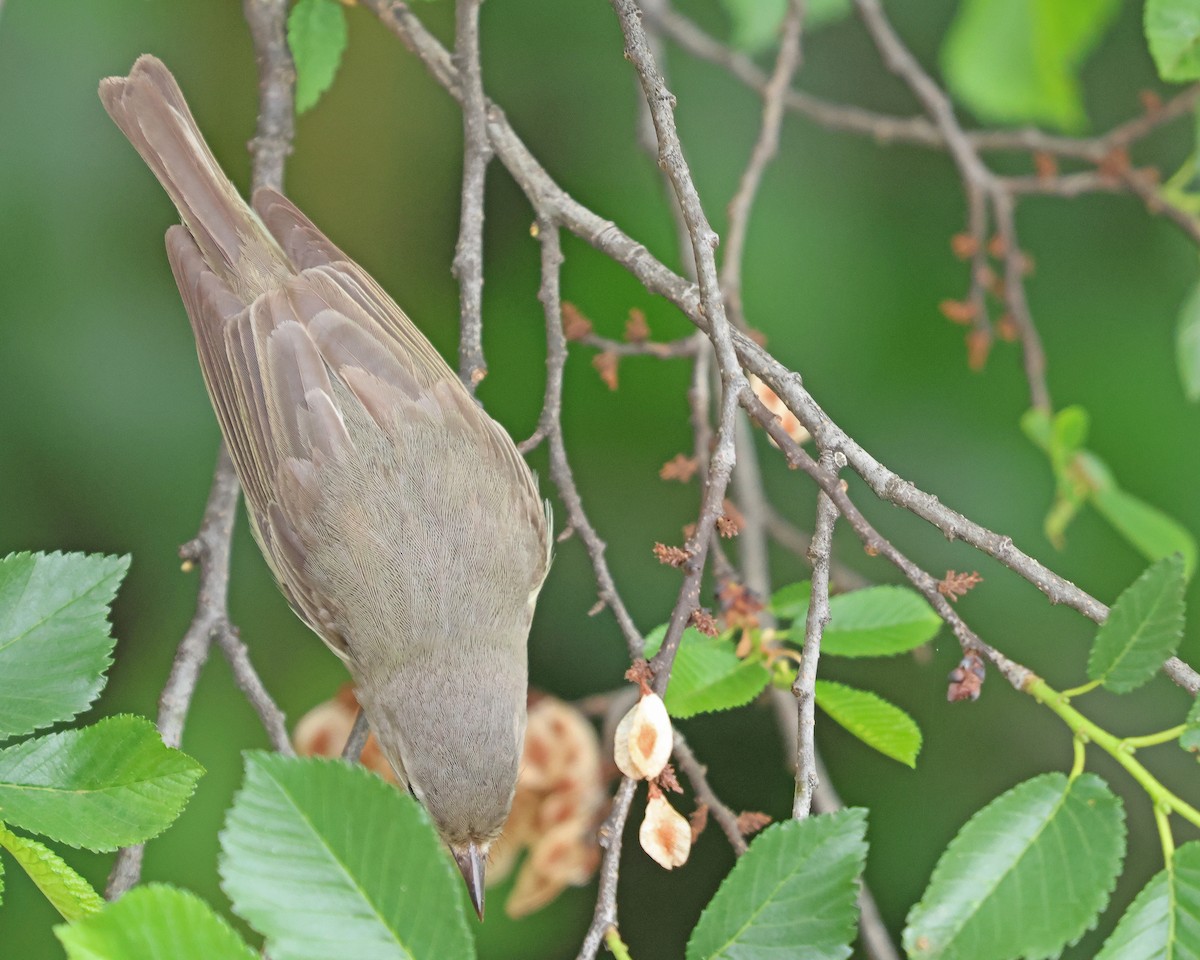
[733, 380]
[765, 148]
[210, 550]
[697, 775]
[477, 154]
[605, 915]
[804, 686]
[357, 738]
[550, 426]
[254, 690]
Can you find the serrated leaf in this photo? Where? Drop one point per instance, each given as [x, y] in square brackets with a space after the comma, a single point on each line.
[1173, 35]
[327, 860]
[1154, 534]
[1047, 852]
[1190, 738]
[54, 635]
[1187, 330]
[69, 894]
[794, 893]
[154, 922]
[878, 622]
[875, 722]
[1017, 61]
[707, 674]
[1144, 628]
[101, 787]
[1163, 922]
[791, 602]
[316, 31]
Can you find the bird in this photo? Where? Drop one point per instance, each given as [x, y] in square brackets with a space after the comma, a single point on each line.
[398, 518]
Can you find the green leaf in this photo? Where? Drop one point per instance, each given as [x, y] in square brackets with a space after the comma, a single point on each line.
[878, 622]
[1143, 628]
[794, 893]
[1163, 922]
[316, 31]
[327, 860]
[1028, 874]
[1190, 738]
[872, 719]
[69, 894]
[1173, 35]
[791, 602]
[707, 674]
[1154, 534]
[154, 922]
[54, 635]
[102, 787]
[1038, 427]
[756, 23]
[1187, 335]
[1070, 431]
[1017, 61]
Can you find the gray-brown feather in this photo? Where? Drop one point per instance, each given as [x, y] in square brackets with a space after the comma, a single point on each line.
[398, 517]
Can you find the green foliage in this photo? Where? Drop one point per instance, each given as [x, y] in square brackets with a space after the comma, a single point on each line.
[755, 23]
[316, 31]
[791, 602]
[69, 894]
[54, 635]
[1187, 340]
[872, 719]
[1163, 922]
[1018, 61]
[1148, 529]
[878, 622]
[1173, 35]
[1144, 628]
[327, 860]
[1190, 738]
[872, 622]
[1027, 875]
[1081, 477]
[707, 674]
[793, 893]
[105, 786]
[154, 922]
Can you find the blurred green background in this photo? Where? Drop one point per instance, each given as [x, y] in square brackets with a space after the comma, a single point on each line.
[107, 440]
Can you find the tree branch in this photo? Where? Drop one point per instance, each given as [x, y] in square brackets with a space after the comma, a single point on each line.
[477, 154]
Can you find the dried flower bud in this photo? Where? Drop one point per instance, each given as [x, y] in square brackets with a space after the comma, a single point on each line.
[643, 740]
[665, 834]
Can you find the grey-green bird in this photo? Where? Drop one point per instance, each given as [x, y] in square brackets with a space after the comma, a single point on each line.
[399, 519]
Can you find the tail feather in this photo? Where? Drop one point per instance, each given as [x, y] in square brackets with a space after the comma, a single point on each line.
[150, 109]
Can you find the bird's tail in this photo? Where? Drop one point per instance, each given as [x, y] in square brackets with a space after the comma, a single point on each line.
[150, 109]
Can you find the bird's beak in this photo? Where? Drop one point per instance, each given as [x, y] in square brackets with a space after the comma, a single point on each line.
[472, 862]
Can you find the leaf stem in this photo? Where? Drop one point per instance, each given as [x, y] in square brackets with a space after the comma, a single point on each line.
[616, 946]
[1080, 691]
[1154, 739]
[1080, 756]
[1120, 750]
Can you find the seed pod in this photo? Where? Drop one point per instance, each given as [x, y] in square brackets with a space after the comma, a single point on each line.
[643, 740]
[665, 834]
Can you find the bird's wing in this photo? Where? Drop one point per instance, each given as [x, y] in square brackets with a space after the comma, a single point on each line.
[282, 370]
